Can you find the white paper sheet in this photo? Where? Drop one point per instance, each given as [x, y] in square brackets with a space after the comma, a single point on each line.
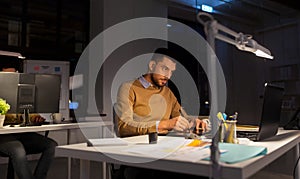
[106, 142]
[174, 149]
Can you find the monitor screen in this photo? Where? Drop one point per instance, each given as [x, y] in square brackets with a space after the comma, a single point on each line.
[39, 93]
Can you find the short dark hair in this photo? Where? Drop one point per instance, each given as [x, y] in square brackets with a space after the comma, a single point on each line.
[159, 53]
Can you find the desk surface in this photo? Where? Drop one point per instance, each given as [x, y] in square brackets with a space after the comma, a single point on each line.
[52, 127]
[277, 146]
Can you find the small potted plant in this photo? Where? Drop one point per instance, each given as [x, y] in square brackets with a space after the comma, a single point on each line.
[4, 107]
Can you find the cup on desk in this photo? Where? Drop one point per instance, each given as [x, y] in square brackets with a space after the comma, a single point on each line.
[2, 118]
[152, 138]
[56, 118]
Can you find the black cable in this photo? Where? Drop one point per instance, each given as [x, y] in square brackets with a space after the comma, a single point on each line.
[294, 171]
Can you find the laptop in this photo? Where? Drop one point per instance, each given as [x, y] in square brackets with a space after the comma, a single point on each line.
[270, 116]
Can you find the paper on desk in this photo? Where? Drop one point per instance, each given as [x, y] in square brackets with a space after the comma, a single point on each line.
[247, 128]
[175, 149]
[162, 149]
[106, 142]
[190, 154]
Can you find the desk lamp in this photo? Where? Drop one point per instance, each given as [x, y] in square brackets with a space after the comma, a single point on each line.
[12, 54]
[242, 41]
[214, 30]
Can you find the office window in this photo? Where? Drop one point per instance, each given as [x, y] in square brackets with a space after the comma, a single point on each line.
[44, 29]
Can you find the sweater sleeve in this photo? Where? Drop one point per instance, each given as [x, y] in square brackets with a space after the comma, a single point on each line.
[126, 124]
[175, 106]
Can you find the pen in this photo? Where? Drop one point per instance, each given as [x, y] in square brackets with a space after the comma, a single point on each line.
[233, 117]
[220, 116]
[185, 115]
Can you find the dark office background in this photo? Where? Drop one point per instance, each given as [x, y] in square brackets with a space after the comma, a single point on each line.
[45, 29]
[59, 30]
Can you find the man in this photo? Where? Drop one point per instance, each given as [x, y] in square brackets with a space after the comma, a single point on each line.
[147, 105]
[17, 146]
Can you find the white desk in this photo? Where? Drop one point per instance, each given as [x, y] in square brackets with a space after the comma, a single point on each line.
[277, 146]
[56, 127]
[52, 127]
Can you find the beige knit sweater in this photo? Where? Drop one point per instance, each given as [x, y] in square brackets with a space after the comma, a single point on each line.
[138, 108]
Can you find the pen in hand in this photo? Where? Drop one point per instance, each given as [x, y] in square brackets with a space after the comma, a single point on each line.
[185, 115]
[192, 122]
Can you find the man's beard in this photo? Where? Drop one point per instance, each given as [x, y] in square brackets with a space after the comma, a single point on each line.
[156, 83]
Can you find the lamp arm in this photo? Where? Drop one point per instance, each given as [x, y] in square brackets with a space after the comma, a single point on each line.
[13, 54]
[225, 39]
[222, 28]
[241, 41]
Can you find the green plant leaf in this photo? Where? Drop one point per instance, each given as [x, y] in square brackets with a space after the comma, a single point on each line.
[4, 106]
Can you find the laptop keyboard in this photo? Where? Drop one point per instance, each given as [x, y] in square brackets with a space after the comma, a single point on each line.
[247, 134]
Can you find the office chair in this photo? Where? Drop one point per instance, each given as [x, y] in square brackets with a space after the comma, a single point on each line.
[115, 121]
[116, 171]
[294, 123]
[10, 168]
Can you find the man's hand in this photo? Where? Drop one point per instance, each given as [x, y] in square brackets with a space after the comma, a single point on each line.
[178, 123]
[165, 125]
[182, 124]
[202, 125]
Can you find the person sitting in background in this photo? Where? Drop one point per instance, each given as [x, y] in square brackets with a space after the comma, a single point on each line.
[16, 146]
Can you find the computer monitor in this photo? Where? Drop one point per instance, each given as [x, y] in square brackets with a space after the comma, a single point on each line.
[30, 93]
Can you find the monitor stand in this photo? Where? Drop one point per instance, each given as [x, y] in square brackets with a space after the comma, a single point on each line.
[26, 120]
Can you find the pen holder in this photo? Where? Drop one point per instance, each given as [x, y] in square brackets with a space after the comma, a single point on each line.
[228, 131]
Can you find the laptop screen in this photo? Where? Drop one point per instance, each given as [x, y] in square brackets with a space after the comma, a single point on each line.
[270, 117]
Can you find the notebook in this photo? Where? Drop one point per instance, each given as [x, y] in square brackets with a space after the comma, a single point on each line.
[270, 116]
[106, 142]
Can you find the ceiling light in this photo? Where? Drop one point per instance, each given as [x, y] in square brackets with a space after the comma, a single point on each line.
[207, 8]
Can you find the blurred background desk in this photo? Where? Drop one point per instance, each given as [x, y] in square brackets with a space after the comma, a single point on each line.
[54, 127]
[64, 134]
[277, 146]
[58, 127]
